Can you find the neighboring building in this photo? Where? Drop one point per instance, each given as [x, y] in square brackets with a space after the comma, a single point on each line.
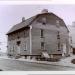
[72, 36]
[44, 32]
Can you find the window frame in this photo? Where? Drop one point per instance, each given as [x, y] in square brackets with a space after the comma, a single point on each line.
[25, 46]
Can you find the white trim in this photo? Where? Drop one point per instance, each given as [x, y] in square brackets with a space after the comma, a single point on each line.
[30, 40]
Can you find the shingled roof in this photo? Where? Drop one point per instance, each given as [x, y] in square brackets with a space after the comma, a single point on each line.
[21, 25]
[28, 22]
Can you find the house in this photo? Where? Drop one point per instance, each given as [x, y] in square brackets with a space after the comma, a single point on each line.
[72, 36]
[44, 34]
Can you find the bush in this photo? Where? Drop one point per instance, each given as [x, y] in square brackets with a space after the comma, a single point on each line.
[49, 59]
[73, 61]
[53, 60]
[1, 70]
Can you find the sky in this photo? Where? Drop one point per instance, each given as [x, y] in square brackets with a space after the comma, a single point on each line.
[12, 14]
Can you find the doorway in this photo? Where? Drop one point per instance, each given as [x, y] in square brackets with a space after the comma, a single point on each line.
[18, 47]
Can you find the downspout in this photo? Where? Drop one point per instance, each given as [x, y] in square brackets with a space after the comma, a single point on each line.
[30, 40]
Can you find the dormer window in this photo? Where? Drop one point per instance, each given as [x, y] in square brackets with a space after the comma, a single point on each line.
[44, 21]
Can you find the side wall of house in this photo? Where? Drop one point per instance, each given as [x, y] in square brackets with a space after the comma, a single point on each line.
[23, 37]
[50, 32]
[50, 35]
[50, 39]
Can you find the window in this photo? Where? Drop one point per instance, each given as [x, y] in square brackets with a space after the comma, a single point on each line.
[25, 47]
[26, 33]
[42, 45]
[43, 21]
[42, 33]
[58, 46]
[58, 35]
[18, 35]
[57, 23]
[10, 37]
[18, 43]
[11, 48]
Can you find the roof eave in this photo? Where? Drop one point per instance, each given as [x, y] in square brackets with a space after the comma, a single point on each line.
[17, 30]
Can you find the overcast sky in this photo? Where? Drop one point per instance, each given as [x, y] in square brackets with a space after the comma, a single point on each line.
[12, 14]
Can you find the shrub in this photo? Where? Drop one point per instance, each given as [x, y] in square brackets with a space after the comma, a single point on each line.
[73, 61]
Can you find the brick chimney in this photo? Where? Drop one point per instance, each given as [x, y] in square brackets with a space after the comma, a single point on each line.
[23, 19]
[44, 11]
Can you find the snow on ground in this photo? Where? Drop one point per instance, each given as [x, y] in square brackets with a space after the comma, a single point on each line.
[63, 62]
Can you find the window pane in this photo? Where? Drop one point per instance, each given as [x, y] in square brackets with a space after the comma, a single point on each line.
[42, 45]
[41, 32]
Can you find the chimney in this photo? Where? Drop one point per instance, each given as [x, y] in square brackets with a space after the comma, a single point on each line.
[44, 11]
[23, 19]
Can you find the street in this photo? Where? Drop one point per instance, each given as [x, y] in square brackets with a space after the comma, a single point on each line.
[16, 65]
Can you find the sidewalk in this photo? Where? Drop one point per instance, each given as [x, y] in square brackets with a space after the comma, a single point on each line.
[63, 62]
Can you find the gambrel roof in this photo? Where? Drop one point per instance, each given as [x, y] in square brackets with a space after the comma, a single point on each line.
[21, 25]
[29, 22]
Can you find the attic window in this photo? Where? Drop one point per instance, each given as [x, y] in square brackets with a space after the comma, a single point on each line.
[43, 21]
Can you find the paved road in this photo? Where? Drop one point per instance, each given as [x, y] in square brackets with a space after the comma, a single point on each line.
[16, 65]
